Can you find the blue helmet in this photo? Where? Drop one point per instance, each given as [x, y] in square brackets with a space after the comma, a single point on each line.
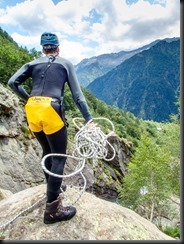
[48, 38]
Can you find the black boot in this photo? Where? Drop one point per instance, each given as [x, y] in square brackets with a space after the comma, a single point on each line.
[55, 212]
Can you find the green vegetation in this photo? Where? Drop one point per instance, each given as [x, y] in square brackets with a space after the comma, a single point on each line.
[12, 56]
[153, 173]
[172, 231]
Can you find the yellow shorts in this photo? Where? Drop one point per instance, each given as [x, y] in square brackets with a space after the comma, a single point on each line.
[42, 116]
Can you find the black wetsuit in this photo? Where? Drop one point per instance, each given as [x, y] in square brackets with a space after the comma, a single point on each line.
[49, 75]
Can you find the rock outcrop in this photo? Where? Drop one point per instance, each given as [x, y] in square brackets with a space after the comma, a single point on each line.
[19, 153]
[96, 219]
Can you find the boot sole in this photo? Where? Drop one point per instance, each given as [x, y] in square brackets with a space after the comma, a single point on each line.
[54, 221]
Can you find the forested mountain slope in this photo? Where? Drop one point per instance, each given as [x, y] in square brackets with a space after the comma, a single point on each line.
[91, 68]
[146, 84]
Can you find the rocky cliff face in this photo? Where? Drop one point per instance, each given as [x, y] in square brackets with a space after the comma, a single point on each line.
[19, 154]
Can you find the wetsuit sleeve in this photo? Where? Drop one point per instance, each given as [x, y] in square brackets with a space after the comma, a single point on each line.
[15, 82]
[77, 93]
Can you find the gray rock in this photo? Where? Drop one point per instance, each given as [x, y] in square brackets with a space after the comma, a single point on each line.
[96, 219]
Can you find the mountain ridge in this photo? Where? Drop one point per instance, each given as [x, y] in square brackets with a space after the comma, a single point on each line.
[147, 84]
[91, 68]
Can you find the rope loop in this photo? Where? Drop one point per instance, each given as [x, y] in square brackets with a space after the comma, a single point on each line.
[79, 168]
[91, 141]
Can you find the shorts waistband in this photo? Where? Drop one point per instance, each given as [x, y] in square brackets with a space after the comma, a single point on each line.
[43, 99]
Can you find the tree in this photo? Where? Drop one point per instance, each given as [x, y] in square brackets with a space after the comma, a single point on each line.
[169, 139]
[147, 182]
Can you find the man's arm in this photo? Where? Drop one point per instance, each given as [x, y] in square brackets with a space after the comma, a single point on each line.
[77, 93]
[15, 82]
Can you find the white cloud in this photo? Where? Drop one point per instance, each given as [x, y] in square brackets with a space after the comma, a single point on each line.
[27, 41]
[122, 26]
[73, 50]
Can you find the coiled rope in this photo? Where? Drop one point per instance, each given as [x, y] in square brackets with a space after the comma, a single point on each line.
[90, 143]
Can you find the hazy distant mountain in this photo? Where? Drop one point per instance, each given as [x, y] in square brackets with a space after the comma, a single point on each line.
[146, 84]
[89, 69]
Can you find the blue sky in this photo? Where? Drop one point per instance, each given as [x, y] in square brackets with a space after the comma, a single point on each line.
[89, 28]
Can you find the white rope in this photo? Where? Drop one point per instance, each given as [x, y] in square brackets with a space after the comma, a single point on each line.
[80, 165]
[21, 212]
[90, 143]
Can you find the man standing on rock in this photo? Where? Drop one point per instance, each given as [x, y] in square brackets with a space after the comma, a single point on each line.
[46, 117]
